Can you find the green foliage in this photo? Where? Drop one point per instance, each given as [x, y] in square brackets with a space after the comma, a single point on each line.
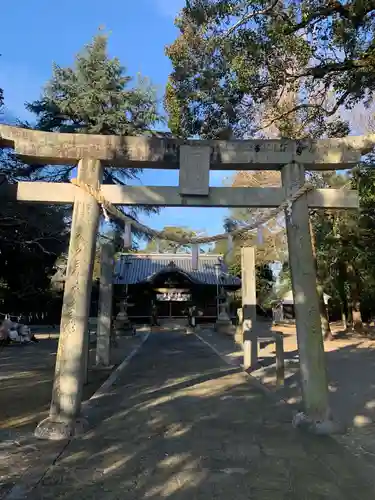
[31, 238]
[234, 57]
[95, 97]
[264, 275]
[284, 282]
[200, 97]
[264, 284]
[345, 244]
[165, 246]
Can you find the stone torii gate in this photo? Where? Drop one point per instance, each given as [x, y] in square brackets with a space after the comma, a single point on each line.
[194, 159]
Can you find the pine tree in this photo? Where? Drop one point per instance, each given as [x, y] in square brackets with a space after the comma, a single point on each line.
[95, 96]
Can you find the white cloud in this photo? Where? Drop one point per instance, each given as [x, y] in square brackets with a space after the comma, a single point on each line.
[169, 8]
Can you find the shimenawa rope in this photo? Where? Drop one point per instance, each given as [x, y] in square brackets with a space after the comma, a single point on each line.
[109, 208]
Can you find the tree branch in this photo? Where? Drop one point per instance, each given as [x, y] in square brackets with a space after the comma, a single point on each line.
[339, 67]
[249, 16]
[295, 109]
[333, 7]
[36, 242]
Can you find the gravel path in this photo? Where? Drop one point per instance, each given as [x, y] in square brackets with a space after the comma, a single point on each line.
[180, 424]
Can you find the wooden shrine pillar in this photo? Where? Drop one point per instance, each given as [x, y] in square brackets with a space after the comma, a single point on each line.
[248, 302]
[103, 339]
[64, 419]
[306, 304]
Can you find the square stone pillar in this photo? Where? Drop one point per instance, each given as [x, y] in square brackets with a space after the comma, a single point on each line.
[249, 301]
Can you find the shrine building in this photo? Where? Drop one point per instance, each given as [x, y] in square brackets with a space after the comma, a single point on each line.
[169, 281]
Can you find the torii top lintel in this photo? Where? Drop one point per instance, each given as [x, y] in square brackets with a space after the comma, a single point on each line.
[156, 152]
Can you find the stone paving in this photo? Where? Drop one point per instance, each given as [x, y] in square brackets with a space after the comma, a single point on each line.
[180, 425]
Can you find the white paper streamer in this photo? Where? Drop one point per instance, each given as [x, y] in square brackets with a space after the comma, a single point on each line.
[195, 257]
[260, 235]
[105, 213]
[127, 236]
[230, 244]
[288, 210]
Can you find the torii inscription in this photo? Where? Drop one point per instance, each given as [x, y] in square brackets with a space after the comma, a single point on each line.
[100, 151]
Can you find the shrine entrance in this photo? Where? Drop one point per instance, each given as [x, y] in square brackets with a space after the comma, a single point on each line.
[169, 282]
[193, 159]
[172, 294]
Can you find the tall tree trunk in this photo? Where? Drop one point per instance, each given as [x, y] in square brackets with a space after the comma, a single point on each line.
[341, 280]
[345, 299]
[343, 316]
[355, 299]
[326, 328]
[349, 306]
[349, 275]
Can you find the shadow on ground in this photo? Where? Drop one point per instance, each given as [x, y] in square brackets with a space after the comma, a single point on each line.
[26, 374]
[26, 378]
[351, 378]
[179, 425]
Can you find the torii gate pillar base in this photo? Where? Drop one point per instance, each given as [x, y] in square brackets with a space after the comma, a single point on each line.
[327, 427]
[54, 430]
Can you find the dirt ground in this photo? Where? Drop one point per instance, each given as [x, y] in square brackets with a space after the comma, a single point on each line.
[341, 340]
[26, 377]
[351, 374]
[350, 361]
[180, 424]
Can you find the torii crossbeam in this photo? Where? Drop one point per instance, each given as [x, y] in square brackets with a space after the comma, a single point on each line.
[194, 159]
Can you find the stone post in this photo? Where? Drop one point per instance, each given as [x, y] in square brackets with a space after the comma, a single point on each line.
[239, 328]
[64, 419]
[248, 302]
[306, 305]
[103, 338]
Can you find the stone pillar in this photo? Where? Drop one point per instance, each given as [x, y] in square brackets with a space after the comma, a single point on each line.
[306, 304]
[103, 338]
[239, 328]
[248, 302]
[64, 419]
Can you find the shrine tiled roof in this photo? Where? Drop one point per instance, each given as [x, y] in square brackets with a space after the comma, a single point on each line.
[143, 267]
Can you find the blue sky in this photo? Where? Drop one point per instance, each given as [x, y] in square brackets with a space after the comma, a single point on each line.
[35, 33]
